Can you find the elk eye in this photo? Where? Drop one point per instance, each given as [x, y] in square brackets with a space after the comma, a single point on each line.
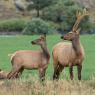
[39, 40]
[42, 38]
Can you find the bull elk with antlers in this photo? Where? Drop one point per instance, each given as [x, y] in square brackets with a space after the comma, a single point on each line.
[69, 54]
[28, 59]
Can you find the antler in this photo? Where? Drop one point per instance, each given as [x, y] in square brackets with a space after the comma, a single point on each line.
[79, 17]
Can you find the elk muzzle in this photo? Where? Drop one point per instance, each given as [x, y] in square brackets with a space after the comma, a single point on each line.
[62, 37]
[33, 42]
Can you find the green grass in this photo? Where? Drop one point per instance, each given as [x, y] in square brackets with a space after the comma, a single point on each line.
[10, 44]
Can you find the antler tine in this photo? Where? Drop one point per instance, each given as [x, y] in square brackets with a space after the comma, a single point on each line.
[85, 13]
[79, 17]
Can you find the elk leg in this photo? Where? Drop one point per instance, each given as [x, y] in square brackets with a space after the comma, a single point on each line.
[71, 72]
[42, 74]
[57, 72]
[19, 73]
[15, 75]
[79, 67]
[13, 72]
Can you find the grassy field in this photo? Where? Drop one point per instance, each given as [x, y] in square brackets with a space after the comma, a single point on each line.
[10, 44]
[29, 83]
[32, 87]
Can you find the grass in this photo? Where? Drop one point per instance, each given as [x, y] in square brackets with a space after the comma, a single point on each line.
[29, 84]
[10, 44]
[22, 87]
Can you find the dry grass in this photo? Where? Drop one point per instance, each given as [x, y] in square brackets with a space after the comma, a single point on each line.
[32, 87]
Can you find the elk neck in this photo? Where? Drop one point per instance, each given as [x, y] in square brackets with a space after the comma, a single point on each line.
[77, 45]
[45, 50]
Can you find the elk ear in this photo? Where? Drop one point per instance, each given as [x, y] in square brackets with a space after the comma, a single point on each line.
[78, 31]
[43, 36]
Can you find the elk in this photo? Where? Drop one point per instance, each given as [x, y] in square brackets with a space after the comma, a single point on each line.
[3, 74]
[28, 59]
[69, 54]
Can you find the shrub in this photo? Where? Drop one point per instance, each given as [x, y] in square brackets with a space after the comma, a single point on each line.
[12, 25]
[38, 26]
[64, 13]
[60, 11]
[39, 5]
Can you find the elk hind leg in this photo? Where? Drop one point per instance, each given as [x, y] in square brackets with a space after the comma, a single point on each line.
[19, 73]
[14, 72]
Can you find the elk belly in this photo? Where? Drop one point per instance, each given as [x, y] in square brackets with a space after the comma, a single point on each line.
[31, 62]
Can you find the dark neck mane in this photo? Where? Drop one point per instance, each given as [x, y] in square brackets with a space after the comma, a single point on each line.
[45, 51]
[77, 45]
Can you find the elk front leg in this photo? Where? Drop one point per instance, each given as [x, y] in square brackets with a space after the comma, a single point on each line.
[42, 72]
[71, 72]
[79, 67]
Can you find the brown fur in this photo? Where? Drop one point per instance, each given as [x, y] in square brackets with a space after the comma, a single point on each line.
[28, 59]
[69, 54]
[3, 74]
[65, 55]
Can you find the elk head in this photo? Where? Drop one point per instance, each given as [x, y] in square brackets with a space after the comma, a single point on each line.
[40, 41]
[75, 31]
[71, 35]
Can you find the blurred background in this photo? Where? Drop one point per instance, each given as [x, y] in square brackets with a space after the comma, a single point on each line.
[51, 16]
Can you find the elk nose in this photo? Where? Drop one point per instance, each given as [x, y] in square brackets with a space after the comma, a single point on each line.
[61, 37]
[32, 42]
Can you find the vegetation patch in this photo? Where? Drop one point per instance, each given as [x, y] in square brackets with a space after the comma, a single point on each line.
[39, 26]
[34, 87]
[12, 25]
